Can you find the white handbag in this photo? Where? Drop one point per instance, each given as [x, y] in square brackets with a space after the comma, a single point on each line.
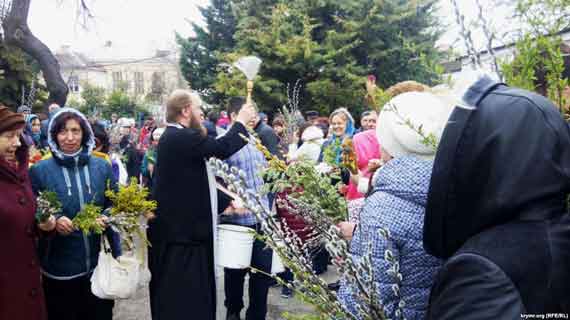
[115, 278]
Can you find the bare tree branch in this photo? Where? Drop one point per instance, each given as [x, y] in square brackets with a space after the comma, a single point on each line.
[466, 35]
[5, 6]
[490, 35]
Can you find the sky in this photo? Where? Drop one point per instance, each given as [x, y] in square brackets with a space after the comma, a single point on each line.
[138, 27]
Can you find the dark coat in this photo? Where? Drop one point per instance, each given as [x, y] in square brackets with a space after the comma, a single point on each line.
[268, 138]
[134, 157]
[497, 208]
[182, 252]
[21, 293]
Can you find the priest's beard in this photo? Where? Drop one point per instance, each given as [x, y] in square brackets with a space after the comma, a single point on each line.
[195, 123]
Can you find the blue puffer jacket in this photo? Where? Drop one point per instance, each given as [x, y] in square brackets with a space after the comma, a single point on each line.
[77, 180]
[397, 203]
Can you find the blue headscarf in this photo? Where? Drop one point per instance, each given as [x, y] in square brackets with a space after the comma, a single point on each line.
[36, 137]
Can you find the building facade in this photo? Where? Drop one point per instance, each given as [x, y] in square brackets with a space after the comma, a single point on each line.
[148, 78]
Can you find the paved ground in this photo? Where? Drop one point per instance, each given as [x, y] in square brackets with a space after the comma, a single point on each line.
[137, 308]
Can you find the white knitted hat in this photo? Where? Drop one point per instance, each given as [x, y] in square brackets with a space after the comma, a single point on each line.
[412, 109]
[312, 133]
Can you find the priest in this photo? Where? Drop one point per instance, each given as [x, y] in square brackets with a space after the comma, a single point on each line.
[181, 256]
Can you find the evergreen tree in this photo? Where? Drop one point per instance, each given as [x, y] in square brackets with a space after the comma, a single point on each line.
[331, 45]
[199, 59]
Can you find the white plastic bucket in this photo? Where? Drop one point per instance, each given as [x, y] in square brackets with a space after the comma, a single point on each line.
[235, 246]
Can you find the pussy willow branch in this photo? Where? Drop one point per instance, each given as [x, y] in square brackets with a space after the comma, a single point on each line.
[338, 249]
[274, 234]
[315, 288]
[466, 36]
[490, 37]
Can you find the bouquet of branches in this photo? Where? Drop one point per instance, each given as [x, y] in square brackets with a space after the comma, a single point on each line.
[309, 184]
[47, 205]
[292, 116]
[130, 211]
[87, 219]
[127, 216]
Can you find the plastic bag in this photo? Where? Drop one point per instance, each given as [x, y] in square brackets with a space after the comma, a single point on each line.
[115, 278]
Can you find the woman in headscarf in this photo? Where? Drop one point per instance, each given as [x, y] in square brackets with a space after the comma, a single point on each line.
[70, 256]
[33, 130]
[342, 127]
[497, 208]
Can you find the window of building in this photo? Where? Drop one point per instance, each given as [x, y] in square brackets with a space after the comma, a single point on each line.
[158, 85]
[117, 80]
[139, 83]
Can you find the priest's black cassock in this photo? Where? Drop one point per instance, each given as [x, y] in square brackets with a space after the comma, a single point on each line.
[181, 256]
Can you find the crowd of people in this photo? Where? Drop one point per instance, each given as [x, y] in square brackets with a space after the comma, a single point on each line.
[471, 186]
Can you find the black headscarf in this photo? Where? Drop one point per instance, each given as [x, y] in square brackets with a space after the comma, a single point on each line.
[505, 159]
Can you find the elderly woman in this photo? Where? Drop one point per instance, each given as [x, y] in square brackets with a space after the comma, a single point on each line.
[21, 294]
[70, 256]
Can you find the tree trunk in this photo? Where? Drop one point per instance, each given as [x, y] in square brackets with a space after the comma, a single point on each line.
[18, 34]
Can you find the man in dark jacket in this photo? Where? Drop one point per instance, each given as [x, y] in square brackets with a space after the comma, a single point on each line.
[497, 208]
[267, 136]
[182, 252]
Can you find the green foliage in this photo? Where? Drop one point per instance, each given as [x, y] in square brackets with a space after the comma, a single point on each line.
[544, 16]
[94, 98]
[381, 97]
[74, 102]
[121, 103]
[200, 54]
[17, 71]
[94, 101]
[330, 152]
[131, 199]
[86, 219]
[130, 204]
[309, 186]
[329, 45]
[538, 55]
[520, 72]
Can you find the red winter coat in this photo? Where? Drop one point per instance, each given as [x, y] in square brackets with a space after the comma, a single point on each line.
[295, 222]
[21, 293]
